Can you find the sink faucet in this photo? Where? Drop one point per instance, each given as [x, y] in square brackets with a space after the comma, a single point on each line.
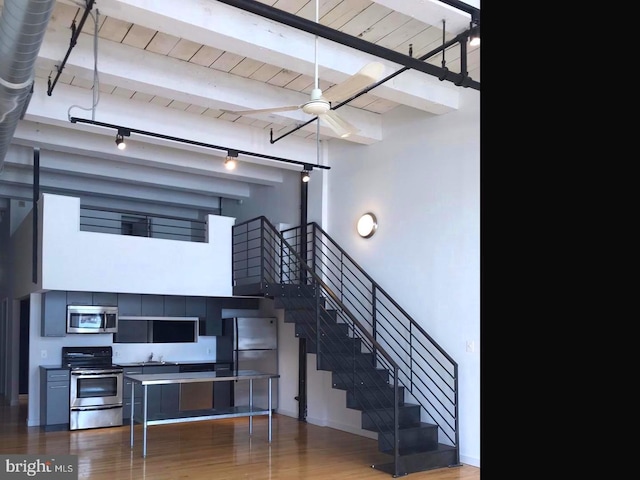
[150, 357]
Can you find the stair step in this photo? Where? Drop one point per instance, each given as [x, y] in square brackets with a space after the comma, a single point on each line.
[341, 362]
[334, 338]
[285, 290]
[381, 419]
[336, 330]
[328, 316]
[412, 462]
[418, 438]
[364, 398]
[332, 344]
[365, 378]
[297, 302]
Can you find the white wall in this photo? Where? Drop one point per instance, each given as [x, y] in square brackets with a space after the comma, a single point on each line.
[87, 261]
[279, 203]
[423, 183]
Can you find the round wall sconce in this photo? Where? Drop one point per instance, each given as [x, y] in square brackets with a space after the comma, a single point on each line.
[367, 225]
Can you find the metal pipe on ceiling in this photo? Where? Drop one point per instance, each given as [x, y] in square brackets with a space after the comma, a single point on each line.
[23, 24]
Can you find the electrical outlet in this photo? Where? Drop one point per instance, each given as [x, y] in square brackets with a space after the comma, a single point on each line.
[470, 346]
[208, 351]
[116, 353]
[43, 354]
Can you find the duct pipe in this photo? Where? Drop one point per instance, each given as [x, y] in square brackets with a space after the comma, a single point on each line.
[23, 24]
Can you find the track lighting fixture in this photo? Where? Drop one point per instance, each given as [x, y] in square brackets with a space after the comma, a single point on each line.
[306, 173]
[474, 31]
[231, 161]
[122, 132]
[120, 142]
[232, 154]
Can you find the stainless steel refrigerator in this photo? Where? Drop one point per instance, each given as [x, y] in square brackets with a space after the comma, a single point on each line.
[256, 348]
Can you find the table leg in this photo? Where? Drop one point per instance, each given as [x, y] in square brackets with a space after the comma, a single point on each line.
[251, 406]
[144, 423]
[133, 400]
[269, 409]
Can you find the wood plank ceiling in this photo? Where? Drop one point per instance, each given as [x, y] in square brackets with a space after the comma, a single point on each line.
[364, 19]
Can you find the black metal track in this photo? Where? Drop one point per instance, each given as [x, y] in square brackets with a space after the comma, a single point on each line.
[74, 39]
[129, 131]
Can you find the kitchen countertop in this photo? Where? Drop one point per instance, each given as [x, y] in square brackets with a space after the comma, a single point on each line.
[180, 362]
[194, 377]
[148, 364]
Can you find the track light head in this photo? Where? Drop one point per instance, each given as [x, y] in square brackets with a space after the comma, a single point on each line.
[474, 32]
[122, 132]
[306, 173]
[231, 160]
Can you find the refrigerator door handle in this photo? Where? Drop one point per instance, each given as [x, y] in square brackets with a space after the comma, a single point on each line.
[235, 346]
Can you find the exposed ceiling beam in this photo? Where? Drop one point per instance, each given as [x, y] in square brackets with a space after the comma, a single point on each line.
[348, 40]
[214, 24]
[189, 83]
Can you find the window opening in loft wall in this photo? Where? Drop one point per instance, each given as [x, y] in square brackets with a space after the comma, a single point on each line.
[136, 226]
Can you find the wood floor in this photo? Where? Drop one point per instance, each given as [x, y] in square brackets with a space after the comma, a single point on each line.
[217, 449]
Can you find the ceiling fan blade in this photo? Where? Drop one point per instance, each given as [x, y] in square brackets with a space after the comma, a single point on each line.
[336, 123]
[263, 110]
[367, 75]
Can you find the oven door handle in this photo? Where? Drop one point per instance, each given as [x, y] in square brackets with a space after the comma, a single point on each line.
[97, 407]
[95, 375]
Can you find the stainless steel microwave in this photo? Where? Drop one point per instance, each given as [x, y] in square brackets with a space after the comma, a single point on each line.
[92, 319]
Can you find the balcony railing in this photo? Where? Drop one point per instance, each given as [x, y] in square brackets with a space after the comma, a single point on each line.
[142, 225]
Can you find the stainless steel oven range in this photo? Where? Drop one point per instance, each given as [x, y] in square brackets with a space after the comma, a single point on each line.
[95, 393]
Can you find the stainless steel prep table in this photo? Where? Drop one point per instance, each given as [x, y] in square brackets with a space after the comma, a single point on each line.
[194, 377]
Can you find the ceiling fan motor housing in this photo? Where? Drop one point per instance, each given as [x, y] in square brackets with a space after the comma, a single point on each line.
[317, 105]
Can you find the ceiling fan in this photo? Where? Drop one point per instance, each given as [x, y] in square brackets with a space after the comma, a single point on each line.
[319, 104]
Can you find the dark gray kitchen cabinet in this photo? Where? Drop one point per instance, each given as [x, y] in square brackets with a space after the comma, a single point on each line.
[201, 396]
[152, 305]
[222, 390]
[197, 396]
[126, 396]
[129, 304]
[211, 325]
[105, 298]
[79, 298]
[195, 307]
[54, 396]
[174, 306]
[53, 314]
[162, 399]
[132, 331]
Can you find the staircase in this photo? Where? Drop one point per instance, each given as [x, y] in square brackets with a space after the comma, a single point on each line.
[402, 382]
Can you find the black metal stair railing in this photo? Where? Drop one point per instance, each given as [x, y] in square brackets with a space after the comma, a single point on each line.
[426, 370]
[332, 292]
